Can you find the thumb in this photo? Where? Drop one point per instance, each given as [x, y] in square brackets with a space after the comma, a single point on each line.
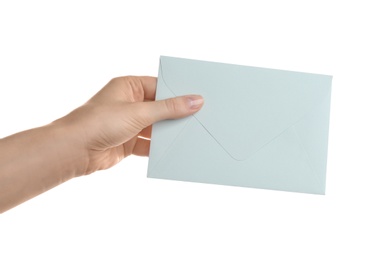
[171, 108]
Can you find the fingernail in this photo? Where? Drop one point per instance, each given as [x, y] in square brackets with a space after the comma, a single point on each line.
[195, 102]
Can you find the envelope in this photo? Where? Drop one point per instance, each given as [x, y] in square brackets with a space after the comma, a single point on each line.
[259, 127]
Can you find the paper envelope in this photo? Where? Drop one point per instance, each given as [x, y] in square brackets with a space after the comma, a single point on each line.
[259, 128]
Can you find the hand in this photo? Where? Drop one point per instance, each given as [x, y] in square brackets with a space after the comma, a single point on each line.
[113, 124]
[117, 121]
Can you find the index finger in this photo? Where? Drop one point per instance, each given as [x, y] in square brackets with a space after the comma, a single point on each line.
[149, 85]
[128, 88]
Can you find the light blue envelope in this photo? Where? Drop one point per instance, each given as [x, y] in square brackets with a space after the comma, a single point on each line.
[259, 128]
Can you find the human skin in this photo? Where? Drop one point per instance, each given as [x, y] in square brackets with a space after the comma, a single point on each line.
[112, 125]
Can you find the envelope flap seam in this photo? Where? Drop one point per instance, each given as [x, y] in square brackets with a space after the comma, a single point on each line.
[261, 146]
[197, 119]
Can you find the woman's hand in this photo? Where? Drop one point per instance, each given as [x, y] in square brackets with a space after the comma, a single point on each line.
[113, 124]
[117, 121]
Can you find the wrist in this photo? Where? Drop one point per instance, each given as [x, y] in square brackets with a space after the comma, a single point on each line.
[69, 147]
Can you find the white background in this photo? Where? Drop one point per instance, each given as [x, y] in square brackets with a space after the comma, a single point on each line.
[54, 56]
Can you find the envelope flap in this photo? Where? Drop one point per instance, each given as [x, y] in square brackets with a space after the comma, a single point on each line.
[244, 119]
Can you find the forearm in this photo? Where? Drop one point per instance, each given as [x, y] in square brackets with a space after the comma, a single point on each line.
[36, 160]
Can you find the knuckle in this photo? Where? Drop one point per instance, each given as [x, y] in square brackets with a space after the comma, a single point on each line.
[137, 92]
[172, 105]
[132, 87]
[116, 80]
